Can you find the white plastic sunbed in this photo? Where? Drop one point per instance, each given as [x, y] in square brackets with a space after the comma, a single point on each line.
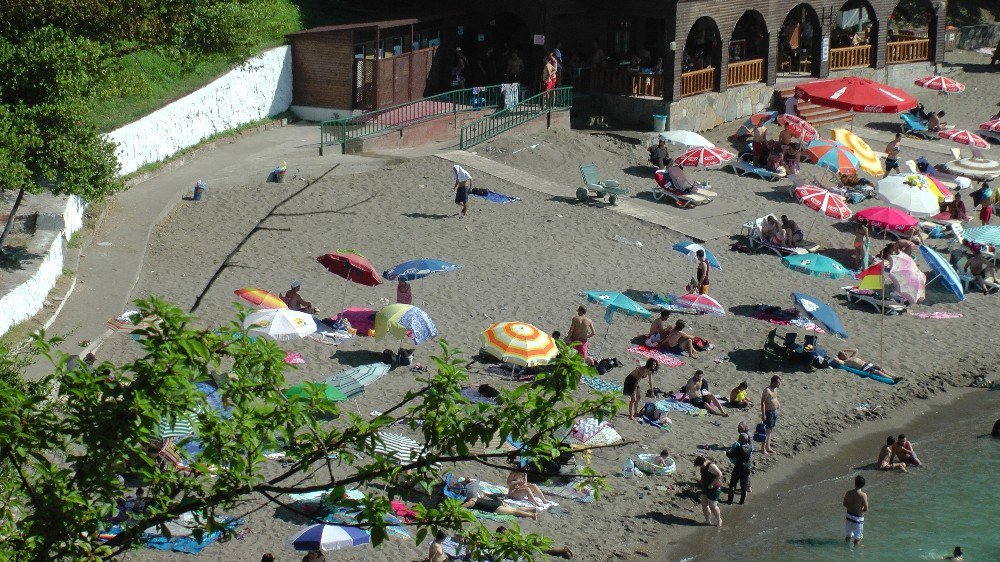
[874, 299]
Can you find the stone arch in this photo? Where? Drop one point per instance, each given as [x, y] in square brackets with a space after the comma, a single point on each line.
[799, 41]
[703, 47]
[913, 19]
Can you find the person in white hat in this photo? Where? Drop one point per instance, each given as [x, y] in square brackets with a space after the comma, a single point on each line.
[294, 300]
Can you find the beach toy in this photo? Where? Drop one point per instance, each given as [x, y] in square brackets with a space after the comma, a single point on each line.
[645, 464]
[279, 172]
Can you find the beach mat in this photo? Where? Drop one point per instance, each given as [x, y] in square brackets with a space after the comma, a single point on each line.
[361, 319]
[601, 385]
[495, 197]
[663, 358]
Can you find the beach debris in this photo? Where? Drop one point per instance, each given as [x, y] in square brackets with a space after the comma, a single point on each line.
[627, 241]
[532, 147]
[104, 244]
[865, 407]
[558, 215]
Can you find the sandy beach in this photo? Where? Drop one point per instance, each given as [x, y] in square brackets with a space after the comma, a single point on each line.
[529, 261]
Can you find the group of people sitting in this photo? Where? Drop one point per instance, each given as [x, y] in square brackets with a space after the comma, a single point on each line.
[785, 233]
[896, 454]
[781, 156]
[672, 339]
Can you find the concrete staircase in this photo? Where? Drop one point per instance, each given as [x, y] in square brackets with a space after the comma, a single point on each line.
[816, 115]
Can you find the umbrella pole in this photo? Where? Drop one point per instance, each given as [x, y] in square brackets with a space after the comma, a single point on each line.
[881, 324]
[603, 342]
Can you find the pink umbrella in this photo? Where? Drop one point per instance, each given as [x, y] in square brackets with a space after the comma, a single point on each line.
[799, 126]
[907, 279]
[704, 157]
[823, 202]
[702, 303]
[962, 136]
[941, 83]
[888, 218]
[993, 125]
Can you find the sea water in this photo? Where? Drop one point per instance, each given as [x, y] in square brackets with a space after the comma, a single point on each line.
[954, 500]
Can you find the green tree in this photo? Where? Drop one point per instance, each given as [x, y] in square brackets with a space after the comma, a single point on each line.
[64, 447]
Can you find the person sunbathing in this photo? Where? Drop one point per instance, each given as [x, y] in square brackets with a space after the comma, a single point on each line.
[934, 122]
[885, 457]
[850, 358]
[678, 341]
[699, 396]
[488, 504]
[791, 229]
[738, 396]
[658, 330]
[518, 488]
[980, 269]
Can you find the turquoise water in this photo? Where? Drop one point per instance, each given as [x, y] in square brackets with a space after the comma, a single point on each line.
[953, 501]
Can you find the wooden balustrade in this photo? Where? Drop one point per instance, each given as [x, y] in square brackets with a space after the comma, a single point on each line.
[697, 81]
[746, 72]
[850, 57]
[647, 84]
[626, 82]
[908, 51]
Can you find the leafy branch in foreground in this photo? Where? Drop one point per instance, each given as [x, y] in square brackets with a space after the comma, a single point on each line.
[71, 435]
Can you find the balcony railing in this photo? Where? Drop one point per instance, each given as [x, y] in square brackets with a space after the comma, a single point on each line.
[626, 82]
[697, 81]
[850, 57]
[746, 72]
[908, 51]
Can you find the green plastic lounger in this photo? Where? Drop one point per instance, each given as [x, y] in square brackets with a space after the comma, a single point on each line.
[601, 188]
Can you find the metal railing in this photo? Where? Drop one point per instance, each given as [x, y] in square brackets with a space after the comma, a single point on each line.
[697, 81]
[558, 99]
[745, 72]
[850, 57]
[908, 51]
[381, 121]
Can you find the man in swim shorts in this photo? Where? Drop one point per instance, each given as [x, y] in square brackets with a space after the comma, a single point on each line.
[581, 329]
[769, 406]
[856, 503]
[892, 155]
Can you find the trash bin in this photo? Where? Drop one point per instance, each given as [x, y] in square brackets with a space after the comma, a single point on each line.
[659, 123]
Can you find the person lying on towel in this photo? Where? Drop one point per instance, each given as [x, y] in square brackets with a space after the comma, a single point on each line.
[486, 503]
[850, 358]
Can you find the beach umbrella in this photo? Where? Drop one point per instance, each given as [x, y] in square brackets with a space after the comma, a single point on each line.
[977, 167]
[279, 324]
[822, 201]
[799, 127]
[832, 156]
[351, 266]
[689, 248]
[941, 83]
[327, 392]
[917, 202]
[983, 235]
[820, 313]
[402, 320]
[704, 156]
[993, 125]
[685, 138]
[701, 303]
[816, 265]
[418, 269]
[327, 538]
[614, 301]
[260, 298]
[756, 120]
[907, 279]
[967, 138]
[353, 381]
[869, 161]
[887, 218]
[936, 187]
[943, 270]
[853, 93]
[519, 343]
[871, 277]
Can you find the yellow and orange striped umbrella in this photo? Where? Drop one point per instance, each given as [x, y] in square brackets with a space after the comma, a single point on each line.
[519, 343]
[260, 298]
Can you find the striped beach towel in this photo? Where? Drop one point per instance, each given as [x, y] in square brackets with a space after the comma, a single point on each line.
[352, 382]
[399, 447]
[601, 385]
[182, 427]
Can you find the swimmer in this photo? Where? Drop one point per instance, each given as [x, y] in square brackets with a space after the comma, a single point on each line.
[956, 554]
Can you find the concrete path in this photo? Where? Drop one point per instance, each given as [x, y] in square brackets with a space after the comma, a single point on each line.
[690, 223]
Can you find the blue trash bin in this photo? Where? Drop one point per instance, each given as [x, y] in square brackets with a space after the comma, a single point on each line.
[659, 123]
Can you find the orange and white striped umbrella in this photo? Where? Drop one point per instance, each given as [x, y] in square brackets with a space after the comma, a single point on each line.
[519, 343]
[962, 136]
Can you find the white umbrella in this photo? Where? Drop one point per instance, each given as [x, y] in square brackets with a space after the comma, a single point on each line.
[686, 138]
[917, 202]
[977, 167]
[279, 324]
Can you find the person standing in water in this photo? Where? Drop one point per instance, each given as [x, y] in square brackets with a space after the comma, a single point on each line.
[856, 503]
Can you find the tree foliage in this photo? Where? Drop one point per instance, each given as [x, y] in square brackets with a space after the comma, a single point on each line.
[69, 437]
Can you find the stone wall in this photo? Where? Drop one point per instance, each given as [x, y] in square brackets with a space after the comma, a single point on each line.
[259, 88]
[711, 109]
[974, 37]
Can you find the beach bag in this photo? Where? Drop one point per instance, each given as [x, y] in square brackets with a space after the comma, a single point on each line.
[760, 433]
[404, 358]
[481, 191]
[701, 344]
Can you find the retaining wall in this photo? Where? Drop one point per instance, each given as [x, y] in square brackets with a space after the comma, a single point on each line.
[257, 89]
[974, 37]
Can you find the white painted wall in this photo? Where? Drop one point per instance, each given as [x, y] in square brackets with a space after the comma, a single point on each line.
[259, 88]
[26, 299]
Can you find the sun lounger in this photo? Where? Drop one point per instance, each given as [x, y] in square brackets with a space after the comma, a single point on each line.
[743, 166]
[915, 127]
[601, 188]
[691, 195]
[968, 279]
[756, 240]
[874, 299]
[865, 374]
[747, 228]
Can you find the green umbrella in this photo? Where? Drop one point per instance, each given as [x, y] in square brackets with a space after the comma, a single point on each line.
[816, 265]
[308, 389]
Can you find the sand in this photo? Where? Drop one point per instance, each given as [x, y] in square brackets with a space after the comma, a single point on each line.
[529, 261]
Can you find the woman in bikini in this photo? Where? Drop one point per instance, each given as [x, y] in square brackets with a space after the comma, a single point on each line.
[631, 386]
[518, 488]
[861, 243]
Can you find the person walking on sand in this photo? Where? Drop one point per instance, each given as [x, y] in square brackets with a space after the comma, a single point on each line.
[630, 388]
[885, 456]
[702, 272]
[856, 503]
[710, 482]
[463, 184]
[581, 329]
[862, 243]
[892, 155]
[769, 406]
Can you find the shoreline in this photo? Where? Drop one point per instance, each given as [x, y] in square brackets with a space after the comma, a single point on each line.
[814, 465]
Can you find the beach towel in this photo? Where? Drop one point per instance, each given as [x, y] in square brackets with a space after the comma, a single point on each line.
[781, 320]
[328, 335]
[601, 385]
[586, 428]
[495, 197]
[471, 393]
[452, 548]
[663, 358]
[187, 544]
[403, 512]
[361, 319]
[936, 315]
[294, 358]
[604, 437]
[569, 490]
[353, 381]
[678, 406]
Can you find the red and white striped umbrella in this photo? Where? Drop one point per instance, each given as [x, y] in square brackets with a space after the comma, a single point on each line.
[993, 125]
[799, 126]
[701, 303]
[941, 83]
[704, 157]
[962, 136]
[823, 202]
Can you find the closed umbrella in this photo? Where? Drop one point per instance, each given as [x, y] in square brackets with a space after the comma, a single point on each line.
[832, 156]
[820, 313]
[519, 343]
[327, 538]
[917, 202]
[418, 269]
[869, 161]
[907, 279]
[887, 218]
[941, 83]
[816, 265]
[704, 157]
[701, 303]
[801, 128]
[279, 324]
[403, 320]
[823, 201]
[943, 271]
[260, 298]
[685, 138]
[690, 249]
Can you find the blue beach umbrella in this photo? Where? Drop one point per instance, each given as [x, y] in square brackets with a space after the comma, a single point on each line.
[689, 248]
[614, 301]
[820, 313]
[418, 269]
[816, 265]
[327, 538]
[983, 235]
[944, 270]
